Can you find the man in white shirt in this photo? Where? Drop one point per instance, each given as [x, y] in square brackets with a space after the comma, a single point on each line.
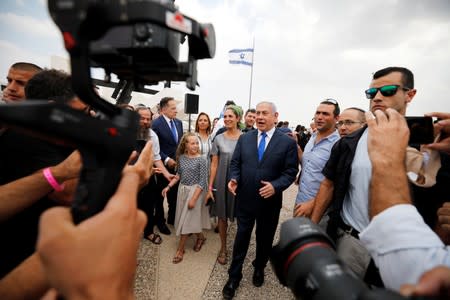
[348, 174]
[398, 239]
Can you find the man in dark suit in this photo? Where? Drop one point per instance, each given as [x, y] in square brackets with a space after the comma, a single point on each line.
[264, 164]
[169, 130]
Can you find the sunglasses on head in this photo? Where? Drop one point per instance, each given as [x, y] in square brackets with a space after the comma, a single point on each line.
[385, 90]
[331, 101]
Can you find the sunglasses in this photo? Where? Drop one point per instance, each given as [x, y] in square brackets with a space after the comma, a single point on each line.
[330, 100]
[386, 90]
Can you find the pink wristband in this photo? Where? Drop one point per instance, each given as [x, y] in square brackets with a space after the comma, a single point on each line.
[52, 181]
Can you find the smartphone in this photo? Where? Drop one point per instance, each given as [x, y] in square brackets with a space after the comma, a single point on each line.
[420, 129]
[139, 145]
[210, 200]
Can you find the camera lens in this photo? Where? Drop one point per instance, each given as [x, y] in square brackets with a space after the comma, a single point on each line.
[305, 261]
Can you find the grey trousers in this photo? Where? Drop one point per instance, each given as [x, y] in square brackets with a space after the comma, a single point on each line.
[352, 253]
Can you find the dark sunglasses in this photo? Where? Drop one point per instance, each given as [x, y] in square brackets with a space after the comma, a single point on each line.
[386, 90]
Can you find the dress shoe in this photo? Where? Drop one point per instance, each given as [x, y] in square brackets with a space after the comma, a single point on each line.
[258, 277]
[164, 229]
[230, 289]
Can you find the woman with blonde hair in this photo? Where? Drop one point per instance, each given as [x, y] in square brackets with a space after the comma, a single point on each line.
[192, 172]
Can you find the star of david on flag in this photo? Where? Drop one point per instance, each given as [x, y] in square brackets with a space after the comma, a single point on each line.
[241, 56]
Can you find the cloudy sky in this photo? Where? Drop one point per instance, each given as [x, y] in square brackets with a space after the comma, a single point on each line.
[305, 51]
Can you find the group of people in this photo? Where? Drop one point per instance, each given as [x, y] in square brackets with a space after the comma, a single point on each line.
[357, 180]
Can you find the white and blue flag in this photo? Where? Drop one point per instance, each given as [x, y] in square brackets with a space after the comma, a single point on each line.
[241, 56]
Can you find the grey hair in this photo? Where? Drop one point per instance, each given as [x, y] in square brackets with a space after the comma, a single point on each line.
[272, 105]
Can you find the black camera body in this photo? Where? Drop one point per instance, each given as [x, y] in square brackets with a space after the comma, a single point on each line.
[140, 42]
[421, 130]
[137, 40]
[306, 262]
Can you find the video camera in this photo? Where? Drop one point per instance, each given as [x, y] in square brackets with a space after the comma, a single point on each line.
[306, 262]
[139, 42]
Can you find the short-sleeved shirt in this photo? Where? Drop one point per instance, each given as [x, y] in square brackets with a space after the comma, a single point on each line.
[314, 159]
[155, 145]
[193, 171]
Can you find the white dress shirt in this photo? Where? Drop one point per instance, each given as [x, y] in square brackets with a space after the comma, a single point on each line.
[403, 246]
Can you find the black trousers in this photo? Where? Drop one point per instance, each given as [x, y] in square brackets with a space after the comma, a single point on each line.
[266, 225]
[147, 198]
[171, 200]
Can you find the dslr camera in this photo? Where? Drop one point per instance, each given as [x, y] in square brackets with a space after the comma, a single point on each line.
[305, 260]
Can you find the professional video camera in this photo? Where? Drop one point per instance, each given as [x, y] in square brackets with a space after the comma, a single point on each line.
[138, 41]
[305, 261]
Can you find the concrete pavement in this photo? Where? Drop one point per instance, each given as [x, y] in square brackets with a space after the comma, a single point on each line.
[198, 276]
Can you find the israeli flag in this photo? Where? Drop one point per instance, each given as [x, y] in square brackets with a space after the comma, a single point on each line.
[241, 56]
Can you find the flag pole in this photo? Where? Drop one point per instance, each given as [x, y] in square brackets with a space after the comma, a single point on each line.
[251, 75]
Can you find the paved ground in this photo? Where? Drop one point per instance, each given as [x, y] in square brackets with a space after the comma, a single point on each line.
[198, 276]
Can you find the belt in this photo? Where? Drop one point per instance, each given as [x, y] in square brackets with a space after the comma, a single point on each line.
[349, 229]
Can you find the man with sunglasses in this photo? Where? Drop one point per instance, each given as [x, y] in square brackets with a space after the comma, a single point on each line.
[316, 154]
[348, 174]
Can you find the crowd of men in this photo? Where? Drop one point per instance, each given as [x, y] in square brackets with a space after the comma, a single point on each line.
[390, 221]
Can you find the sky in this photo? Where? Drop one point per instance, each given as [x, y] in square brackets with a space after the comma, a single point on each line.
[304, 50]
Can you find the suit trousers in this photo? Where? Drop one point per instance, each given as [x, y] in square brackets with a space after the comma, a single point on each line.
[171, 201]
[147, 199]
[266, 225]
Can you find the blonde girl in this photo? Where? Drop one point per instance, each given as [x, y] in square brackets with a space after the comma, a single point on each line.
[192, 172]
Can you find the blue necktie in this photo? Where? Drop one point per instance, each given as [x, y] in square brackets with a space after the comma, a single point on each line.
[174, 131]
[262, 145]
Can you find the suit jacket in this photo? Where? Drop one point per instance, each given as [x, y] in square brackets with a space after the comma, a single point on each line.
[279, 166]
[167, 144]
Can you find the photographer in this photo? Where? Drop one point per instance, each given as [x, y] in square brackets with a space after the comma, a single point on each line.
[96, 273]
[399, 241]
[23, 192]
[41, 270]
[22, 155]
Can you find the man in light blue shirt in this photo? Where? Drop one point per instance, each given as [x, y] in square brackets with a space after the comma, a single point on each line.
[398, 239]
[316, 154]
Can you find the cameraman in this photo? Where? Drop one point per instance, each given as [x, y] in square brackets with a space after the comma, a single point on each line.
[399, 241]
[62, 250]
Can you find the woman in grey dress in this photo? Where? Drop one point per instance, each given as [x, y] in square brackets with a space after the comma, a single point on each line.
[221, 153]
